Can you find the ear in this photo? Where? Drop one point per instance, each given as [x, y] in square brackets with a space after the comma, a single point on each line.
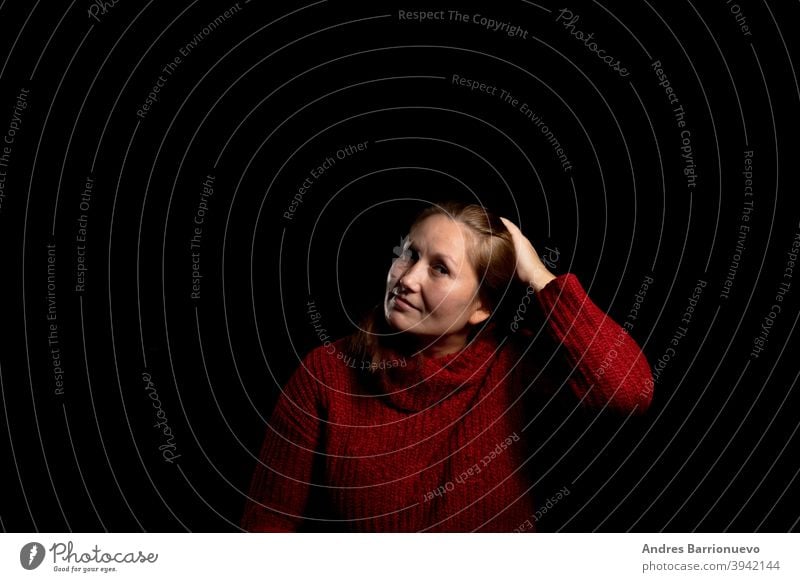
[479, 315]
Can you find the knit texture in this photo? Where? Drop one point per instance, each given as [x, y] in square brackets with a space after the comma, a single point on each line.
[442, 443]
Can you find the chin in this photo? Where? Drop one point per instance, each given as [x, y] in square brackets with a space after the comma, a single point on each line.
[396, 321]
[399, 322]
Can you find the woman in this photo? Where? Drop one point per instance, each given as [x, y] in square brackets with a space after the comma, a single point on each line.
[421, 420]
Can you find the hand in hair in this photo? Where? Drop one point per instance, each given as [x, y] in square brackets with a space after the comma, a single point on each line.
[530, 268]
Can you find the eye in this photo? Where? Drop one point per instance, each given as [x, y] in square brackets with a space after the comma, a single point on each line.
[441, 269]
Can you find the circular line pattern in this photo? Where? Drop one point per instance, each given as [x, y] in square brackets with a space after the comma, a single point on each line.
[254, 165]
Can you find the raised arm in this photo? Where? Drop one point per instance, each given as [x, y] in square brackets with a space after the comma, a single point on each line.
[279, 488]
[607, 367]
[607, 364]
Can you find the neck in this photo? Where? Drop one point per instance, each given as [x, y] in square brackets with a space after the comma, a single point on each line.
[443, 346]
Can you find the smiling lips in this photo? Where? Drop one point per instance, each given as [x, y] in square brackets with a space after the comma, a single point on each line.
[404, 302]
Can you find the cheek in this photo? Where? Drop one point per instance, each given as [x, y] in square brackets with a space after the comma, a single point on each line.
[393, 275]
[451, 300]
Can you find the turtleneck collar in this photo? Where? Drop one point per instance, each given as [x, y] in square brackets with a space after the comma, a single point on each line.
[425, 381]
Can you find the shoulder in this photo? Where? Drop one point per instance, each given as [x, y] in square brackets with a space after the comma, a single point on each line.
[329, 354]
[328, 364]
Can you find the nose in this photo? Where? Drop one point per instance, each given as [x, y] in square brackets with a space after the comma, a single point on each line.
[410, 277]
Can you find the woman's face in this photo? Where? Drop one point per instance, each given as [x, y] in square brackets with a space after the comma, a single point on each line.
[432, 287]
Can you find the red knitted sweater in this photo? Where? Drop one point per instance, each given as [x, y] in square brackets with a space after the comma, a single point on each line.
[444, 443]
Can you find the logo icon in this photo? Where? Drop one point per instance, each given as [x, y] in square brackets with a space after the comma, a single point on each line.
[400, 251]
[31, 555]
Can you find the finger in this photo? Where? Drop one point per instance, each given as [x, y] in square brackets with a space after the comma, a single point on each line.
[509, 225]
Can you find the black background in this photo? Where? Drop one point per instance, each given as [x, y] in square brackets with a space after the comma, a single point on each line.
[259, 103]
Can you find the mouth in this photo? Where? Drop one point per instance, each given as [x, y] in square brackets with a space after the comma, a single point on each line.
[401, 302]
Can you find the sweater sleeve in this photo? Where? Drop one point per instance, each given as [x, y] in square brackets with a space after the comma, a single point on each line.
[607, 366]
[280, 485]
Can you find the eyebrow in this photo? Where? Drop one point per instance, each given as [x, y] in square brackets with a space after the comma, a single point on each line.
[446, 257]
[437, 255]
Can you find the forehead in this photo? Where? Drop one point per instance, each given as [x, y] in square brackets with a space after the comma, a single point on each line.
[441, 234]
